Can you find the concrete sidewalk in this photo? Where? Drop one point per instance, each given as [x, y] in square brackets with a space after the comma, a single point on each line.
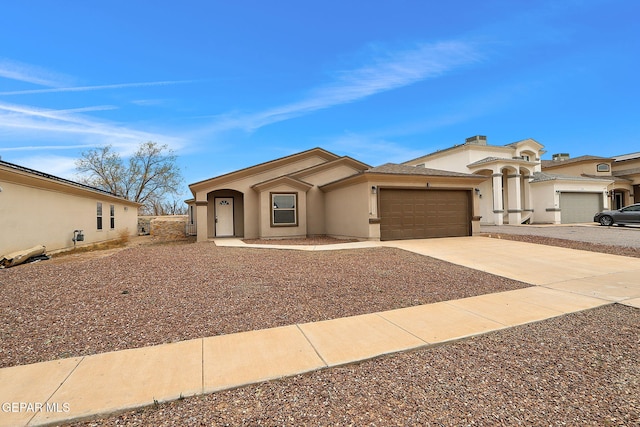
[82, 387]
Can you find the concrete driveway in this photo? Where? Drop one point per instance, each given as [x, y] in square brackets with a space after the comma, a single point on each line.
[611, 277]
[592, 233]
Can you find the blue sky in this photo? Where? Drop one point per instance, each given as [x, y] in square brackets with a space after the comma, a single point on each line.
[231, 84]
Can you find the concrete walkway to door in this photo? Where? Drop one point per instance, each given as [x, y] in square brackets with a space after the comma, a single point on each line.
[80, 387]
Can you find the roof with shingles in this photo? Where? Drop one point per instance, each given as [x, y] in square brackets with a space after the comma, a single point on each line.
[396, 169]
[497, 159]
[624, 172]
[545, 176]
[554, 163]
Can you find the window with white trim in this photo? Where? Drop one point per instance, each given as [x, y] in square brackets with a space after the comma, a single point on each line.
[283, 209]
[99, 216]
[112, 216]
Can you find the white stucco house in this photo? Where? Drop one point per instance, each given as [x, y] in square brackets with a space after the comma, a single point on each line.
[525, 189]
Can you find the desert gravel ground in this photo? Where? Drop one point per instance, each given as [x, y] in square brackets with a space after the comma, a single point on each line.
[146, 295]
[579, 369]
[575, 370]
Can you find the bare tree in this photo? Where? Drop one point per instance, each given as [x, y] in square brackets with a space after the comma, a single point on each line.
[150, 176]
[166, 207]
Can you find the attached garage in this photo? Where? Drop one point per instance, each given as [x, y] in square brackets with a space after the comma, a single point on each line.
[576, 207]
[424, 213]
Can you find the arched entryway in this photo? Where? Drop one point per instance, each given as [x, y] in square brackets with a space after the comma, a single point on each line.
[225, 213]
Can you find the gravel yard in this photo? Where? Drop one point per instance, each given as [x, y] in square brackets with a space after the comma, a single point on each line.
[93, 303]
[576, 370]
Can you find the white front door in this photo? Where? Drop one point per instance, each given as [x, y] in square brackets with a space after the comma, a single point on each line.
[224, 216]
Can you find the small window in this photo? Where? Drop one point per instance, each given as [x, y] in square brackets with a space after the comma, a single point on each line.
[603, 167]
[525, 157]
[112, 216]
[99, 216]
[283, 209]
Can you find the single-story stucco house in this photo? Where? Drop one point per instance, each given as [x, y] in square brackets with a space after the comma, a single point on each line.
[41, 209]
[316, 192]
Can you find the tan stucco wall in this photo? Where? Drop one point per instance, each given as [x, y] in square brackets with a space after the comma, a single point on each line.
[266, 230]
[316, 219]
[32, 216]
[250, 200]
[629, 165]
[252, 207]
[362, 204]
[347, 211]
[579, 168]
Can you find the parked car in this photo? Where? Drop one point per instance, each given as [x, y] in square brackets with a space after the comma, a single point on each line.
[627, 215]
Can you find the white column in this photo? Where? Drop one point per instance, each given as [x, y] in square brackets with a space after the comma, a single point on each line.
[515, 206]
[498, 209]
[528, 203]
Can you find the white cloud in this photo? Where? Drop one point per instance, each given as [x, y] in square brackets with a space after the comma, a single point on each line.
[29, 120]
[371, 149]
[386, 70]
[97, 87]
[19, 71]
[60, 166]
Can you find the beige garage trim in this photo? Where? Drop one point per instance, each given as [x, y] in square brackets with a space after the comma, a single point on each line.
[579, 207]
[424, 213]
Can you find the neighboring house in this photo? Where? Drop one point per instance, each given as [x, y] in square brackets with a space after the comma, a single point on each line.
[627, 167]
[316, 192]
[506, 196]
[525, 189]
[40, 209]
[620, 173]
[583, 184]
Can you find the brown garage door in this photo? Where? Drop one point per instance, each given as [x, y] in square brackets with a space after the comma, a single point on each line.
[420, 214]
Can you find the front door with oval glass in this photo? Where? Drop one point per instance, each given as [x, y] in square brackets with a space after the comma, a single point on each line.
[224, 216]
